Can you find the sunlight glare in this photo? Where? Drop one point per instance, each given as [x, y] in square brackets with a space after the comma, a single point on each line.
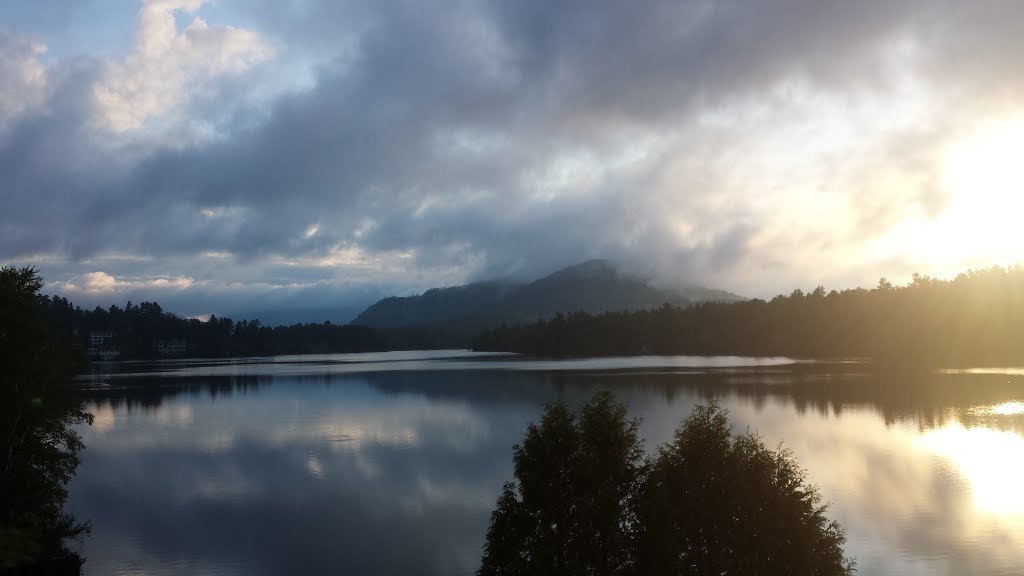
[983, 176]
[992, 461]
[1009, 408]
[984, 172]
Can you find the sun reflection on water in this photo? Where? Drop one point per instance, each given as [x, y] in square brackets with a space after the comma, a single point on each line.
[992, 462]
[1008, 409]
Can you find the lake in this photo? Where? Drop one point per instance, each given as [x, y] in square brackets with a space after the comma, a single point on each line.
[391, 463]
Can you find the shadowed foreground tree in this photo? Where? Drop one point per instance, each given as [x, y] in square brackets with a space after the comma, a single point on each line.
[588, 501]
[38, 446]
[574, 505]
[719, 503]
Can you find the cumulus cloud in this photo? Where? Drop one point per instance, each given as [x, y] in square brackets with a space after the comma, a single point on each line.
[102, 283]
[755, 146]
[99, 282]
[169, 65]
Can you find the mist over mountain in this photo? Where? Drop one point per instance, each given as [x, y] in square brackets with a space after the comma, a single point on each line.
[594, 286]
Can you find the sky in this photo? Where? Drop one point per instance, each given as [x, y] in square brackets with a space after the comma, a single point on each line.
[237, 156]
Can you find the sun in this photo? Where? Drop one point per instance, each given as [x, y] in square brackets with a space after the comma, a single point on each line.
[982, 176]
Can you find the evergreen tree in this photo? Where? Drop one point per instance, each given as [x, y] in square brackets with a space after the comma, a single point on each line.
[587, 501]
[38, 445]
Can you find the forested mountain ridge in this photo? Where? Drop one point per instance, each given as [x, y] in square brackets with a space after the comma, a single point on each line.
[594, 286]
[434, 305]
[975, 318]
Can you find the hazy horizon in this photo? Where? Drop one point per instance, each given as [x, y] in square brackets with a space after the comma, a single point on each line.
[339, 314]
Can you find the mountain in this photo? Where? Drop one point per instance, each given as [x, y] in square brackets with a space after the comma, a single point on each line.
[594, 286]
[434, 306]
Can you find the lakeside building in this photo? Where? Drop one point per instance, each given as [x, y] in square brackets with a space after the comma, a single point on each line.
[98, 339]
[101, 345]
[171, 347]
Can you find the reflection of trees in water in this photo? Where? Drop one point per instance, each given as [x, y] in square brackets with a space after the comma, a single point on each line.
[149, 394]
[931, 400]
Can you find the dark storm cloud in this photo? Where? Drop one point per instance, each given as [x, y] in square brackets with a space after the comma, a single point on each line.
[439, 131]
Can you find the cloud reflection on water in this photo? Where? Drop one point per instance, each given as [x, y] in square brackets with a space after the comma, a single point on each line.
[396, 472]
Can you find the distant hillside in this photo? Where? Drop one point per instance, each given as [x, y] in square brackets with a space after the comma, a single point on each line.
[433, 306]
[976, 319]
[594, 286]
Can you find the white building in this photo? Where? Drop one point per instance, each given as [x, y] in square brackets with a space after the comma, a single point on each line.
[101, 345]
[98, 338]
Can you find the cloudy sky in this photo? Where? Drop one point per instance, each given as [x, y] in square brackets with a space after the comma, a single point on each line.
[240, 155]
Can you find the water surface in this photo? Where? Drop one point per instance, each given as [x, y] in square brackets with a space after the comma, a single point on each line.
[391, 463]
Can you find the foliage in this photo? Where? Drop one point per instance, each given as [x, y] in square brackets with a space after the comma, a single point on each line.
[976, 318]
[38, 445]
[587, 501]
[719, 503]
[578, 479]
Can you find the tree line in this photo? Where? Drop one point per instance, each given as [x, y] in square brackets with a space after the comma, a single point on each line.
[137, 328]
[977, 317]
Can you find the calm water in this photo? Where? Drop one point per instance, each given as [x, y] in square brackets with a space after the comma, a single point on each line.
[391, 463]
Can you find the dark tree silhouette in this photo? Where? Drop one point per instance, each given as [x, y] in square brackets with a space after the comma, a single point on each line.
[587, 501]
[137, 328]
[719, 503]
[38, 446]
[573, 510]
